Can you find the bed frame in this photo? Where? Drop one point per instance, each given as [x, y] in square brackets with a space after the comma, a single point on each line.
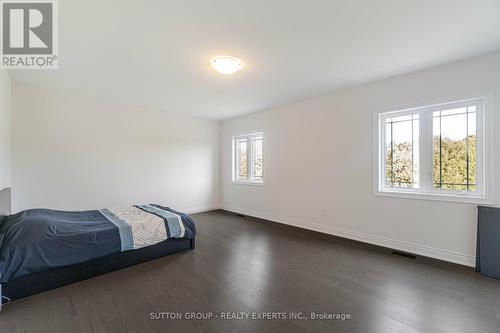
[39, 282]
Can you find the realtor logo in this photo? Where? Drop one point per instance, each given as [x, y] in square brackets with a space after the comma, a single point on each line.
[29, 31]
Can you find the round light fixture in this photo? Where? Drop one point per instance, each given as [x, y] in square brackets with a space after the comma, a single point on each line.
[226, 64]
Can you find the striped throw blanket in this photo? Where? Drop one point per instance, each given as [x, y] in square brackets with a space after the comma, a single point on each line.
[144, 225]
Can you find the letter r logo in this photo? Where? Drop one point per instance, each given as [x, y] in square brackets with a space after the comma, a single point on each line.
[27, 28]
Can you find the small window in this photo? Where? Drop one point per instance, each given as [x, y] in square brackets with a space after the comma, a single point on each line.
[435, 151]
[248, 158]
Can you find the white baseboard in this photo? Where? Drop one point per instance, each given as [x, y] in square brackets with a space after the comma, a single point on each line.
[423, 250]
[200, 209]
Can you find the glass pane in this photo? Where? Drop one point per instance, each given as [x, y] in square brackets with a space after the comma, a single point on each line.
[455, 149]
[454, 152]
[258, 161]
[402, 151]
[241, 159]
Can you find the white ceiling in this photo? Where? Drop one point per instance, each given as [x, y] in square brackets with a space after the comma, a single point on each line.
[156, 53]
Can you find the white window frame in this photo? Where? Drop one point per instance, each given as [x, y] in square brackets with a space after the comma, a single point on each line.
[484, 151]
[250, 154]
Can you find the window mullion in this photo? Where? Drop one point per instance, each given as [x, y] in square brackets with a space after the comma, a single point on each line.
[392, 154]
[467, 146]
[426, 151]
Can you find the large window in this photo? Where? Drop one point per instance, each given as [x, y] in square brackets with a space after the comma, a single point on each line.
[435, 151]
[248, 158]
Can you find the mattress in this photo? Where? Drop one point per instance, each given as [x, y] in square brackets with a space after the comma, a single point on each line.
[38, 240]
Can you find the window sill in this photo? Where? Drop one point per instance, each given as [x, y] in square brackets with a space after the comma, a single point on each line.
[251, 183]
[460, 198]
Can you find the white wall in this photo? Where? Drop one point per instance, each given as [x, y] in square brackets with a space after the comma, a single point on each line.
[5, 129]
[319, 171]
[73, 152]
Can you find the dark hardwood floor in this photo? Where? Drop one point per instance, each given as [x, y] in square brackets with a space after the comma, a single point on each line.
[254, 266]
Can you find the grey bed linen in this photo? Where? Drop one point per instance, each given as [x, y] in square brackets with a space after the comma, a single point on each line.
[36, 240]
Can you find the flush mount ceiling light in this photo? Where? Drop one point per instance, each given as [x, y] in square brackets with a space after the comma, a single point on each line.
[226, 64]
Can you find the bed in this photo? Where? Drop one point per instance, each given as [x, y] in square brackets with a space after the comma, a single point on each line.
[42, 249]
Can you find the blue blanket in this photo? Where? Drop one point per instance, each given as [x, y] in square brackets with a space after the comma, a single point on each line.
[36, 240]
